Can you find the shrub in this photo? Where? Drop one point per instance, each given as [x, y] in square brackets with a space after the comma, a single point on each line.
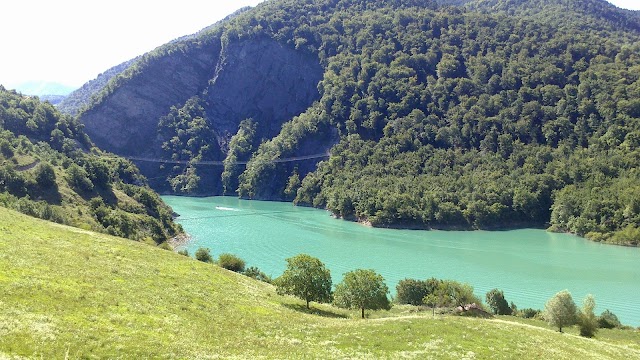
[45, 175]
[497, 302]
[78, 178]
[183, 252]
[255, 273]
[587, 319]
[528, 313]
[411, 291]
[5, 148]
[608, 320]
[204, 255]
[165, 246]
[231, 262]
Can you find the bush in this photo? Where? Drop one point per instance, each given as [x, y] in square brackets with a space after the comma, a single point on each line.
[411, 291]
[528, 313]
[204, 255]
[608, 320]
[255, 273]
[231, 262]
[45, 176]
[6, 149]
[497, 302]
[184, 252]
[587, 320]
[78, 178]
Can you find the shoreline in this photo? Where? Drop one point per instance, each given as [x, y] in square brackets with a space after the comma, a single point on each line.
[183, 240]
[179, 240]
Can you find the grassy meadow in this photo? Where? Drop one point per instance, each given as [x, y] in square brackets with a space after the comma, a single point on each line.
[67, 293]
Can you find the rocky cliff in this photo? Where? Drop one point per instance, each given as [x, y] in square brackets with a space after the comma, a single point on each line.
[263, 80]
[256, 78]
[125, 120]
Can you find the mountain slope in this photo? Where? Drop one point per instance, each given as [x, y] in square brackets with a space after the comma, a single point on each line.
[72, 293]
[495, 114]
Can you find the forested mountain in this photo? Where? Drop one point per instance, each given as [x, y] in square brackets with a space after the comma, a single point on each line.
[445, 114]
[50, 169]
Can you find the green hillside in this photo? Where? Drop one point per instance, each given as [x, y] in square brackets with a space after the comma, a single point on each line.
[70, 293]
[50, 169]
[489, 114]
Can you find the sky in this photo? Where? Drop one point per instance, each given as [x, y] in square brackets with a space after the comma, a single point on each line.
[72, 41]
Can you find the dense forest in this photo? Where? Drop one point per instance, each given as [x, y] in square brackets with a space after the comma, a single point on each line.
[50, 169]
[447, 114]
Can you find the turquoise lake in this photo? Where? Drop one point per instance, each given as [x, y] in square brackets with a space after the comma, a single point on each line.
[529, 265]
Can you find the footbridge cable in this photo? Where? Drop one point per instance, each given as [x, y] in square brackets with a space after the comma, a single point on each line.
[221, 163]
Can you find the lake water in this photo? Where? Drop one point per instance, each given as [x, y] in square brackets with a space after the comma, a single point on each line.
[530, 266]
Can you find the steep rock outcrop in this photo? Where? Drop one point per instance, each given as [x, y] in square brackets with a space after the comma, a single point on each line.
[125, 121]
[263, 80]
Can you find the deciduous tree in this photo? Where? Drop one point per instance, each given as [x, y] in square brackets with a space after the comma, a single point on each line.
[560, 310]
[362, 289]
[306, 277]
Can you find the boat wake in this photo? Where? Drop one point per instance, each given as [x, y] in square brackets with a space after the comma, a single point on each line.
[222, 208]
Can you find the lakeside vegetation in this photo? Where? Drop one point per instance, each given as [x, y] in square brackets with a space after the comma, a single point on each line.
[70, 292]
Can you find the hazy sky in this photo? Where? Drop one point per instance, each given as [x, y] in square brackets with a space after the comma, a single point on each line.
[72, 41]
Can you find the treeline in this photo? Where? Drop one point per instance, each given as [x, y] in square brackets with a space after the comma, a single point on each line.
[49, 169]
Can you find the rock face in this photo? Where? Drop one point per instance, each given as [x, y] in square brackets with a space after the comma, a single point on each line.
[263, 80]
[126, 120]
[257, 78]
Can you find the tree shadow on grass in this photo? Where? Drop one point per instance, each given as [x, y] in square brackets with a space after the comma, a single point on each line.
[315, 311]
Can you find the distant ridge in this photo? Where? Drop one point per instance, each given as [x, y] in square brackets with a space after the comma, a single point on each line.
[40, 88]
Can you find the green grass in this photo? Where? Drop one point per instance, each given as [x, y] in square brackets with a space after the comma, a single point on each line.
[69, 293]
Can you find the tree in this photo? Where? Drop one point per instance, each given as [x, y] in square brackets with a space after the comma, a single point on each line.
[438, 297]
[497, 302]
[307, 278]
[362, 289]
[586, 318]
[204, 255]
[431, 300]
[560, 310]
